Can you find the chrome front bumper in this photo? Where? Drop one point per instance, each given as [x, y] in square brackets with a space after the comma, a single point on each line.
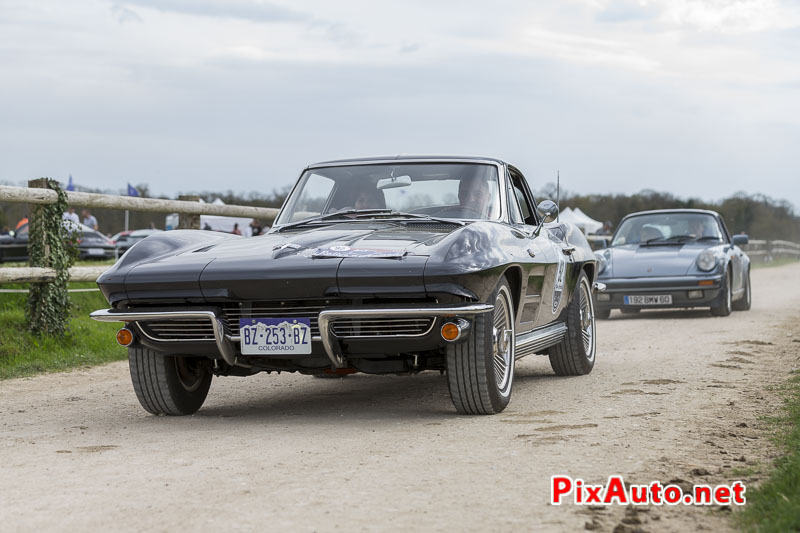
[227, 348]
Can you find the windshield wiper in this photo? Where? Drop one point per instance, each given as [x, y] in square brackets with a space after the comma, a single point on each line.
[708, 238]
[675, 239]
[360, 214]
[331, 216]
[403, 214]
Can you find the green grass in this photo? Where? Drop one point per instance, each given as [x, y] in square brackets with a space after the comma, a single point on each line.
[774, 263]
[775, 504]
[86, 343]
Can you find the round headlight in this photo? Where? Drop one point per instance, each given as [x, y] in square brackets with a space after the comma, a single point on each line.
[706, 261]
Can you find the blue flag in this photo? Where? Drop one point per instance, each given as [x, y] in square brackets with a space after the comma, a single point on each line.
[70, 186]
[132, 190]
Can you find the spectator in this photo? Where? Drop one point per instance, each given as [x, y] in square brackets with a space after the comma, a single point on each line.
[70, 214]
[606, 229]
[89, 220]
[255, 227]
[6, 231]
[236, 230]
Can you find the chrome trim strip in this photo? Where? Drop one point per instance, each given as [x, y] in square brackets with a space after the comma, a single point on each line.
[225, 347]
[326, 317]
[544, 337]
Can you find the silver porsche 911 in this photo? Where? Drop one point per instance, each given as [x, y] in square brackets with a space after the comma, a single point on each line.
[673, 258]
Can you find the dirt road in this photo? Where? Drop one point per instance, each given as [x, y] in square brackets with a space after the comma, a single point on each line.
[672, 392]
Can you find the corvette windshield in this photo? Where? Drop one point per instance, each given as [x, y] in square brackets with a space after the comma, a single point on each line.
[466, 191]
[668, 228]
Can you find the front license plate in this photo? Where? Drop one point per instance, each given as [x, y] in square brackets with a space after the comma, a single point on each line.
[96, 251]
[275, 336]
[649, 299]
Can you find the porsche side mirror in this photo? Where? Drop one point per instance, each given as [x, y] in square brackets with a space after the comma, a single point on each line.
[740, 240]
[548, 210]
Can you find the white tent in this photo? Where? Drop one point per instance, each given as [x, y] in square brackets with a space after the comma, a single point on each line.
[575, 216]
[590, 225]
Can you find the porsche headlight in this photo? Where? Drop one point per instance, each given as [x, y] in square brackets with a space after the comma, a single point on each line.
[706, 261]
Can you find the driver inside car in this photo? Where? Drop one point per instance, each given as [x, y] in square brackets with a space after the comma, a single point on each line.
[473, 194]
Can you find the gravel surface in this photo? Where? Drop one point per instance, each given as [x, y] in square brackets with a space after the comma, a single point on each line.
[673, 396]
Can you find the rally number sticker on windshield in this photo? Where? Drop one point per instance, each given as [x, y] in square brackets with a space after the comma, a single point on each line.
[275, 336]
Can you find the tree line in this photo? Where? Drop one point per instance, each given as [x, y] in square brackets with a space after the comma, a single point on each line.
[758, 215]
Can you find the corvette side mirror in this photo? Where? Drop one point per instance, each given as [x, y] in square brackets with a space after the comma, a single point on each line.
[548, 210]
[740, 240]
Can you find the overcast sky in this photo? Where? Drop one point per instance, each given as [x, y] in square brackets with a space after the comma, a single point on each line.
[698, 98]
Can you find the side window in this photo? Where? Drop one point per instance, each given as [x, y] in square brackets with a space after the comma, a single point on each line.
[513, 208]
[524, 205]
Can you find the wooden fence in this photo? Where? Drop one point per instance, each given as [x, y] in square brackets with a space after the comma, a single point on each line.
[189, 212]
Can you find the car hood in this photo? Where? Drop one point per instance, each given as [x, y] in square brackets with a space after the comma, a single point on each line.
[635, 261]
[319, 262]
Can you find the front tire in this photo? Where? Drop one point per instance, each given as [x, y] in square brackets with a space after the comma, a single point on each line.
[725, 307]
[575, 355]
[480, 370]
[602, 314]
[743, 303]
[168, 384]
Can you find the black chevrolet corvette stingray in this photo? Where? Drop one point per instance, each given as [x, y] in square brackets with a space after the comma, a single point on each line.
[385, 266]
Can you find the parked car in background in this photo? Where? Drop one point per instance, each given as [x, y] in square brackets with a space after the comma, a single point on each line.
[673, 258]
[125, 239]
[91, 244]
[383, 266]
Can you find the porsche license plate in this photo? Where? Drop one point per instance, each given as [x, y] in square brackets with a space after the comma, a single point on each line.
[275, 336]
[96, 251]
[649, 299]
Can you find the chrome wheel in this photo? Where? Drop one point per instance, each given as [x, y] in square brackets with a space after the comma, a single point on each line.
[586, 307]
[503, 342]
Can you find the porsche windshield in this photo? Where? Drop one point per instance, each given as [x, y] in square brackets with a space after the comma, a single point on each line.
[466, 191]
[660, 228]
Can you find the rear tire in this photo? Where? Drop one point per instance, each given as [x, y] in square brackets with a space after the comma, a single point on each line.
[575, 355]
[743, 303]
[724, 308]
[168, 384]
[480, 370]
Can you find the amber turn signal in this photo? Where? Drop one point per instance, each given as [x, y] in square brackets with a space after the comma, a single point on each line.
[450, 331]
[125, 337]
[706, 282]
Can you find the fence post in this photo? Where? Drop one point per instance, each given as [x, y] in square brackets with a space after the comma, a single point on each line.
[188, 221]
[34, 219]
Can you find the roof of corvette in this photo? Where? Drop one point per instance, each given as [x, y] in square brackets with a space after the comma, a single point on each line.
[404, 157]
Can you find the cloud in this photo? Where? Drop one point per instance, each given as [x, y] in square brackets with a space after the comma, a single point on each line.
[628, 10]
[254, 11]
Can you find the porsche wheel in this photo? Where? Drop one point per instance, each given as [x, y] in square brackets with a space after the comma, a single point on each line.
[480, 370]
[168, 384]
[725, 306]
[574, 356]
[743, 303]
